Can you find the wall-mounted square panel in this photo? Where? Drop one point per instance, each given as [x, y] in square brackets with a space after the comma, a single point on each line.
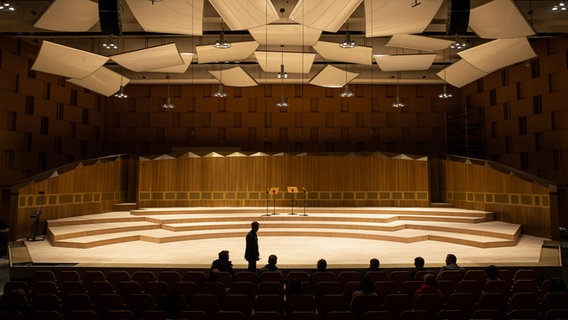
[237, 52]
[245, 14]
[234, 77]
[103, 81]
[498, 54]
[332, 51]
[405, 62]
[410, 41]
[170, 16]
[326, 15]
[152, 58]
[333, 77]
[499, 19]
[66, 61]
[387, 17]
[461, 73]
[182, 68]
[285, 34]
[69, 16]
[293, 62]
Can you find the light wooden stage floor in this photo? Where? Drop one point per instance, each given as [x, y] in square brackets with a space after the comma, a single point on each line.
[345, 237]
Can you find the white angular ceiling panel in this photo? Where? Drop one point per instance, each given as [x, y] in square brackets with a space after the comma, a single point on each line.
[152, 58]
[103, 81]
[237, 52]
[406, 62]
[171, 16]
[66, 61]
[326, 15]
[461, 73]
[499, 19]
[388, 17]
[182, 68]
[332, 51]
[285, 34]
[293, 62]
[69, 16]
[245, 14]
[410, 41]
[498, 54]
[234, 77]
[332, 77]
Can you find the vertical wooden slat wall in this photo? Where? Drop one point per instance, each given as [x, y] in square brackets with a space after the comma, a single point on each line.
[472, 186]
[86, 189]
[243, 181]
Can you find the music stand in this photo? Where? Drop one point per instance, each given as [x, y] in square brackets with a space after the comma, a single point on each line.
[274, 191]
[293, 191]
[305, 196]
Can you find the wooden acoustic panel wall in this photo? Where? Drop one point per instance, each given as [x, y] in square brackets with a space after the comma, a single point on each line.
[515, 200]
[243, 180]
[86, 188]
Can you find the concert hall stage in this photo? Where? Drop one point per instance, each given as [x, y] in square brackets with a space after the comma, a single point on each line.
[346, 237]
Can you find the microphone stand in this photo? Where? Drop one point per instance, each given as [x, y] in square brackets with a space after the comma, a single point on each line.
[305, 196]
[267, 214]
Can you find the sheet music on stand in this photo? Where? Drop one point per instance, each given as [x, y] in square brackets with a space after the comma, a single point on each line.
[293, 191]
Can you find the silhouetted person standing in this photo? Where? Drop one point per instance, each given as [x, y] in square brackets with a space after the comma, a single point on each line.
[251, 251]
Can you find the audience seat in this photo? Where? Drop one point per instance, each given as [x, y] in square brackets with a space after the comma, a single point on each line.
[378, 315]
[399, 276]
[376, 275]
[451, 314]
[229, 315]
[340, 315]
[414, 315]
[396, 303]
[237, 302]
[205, 302]
[331, 302]
[243, 287]
[246, 276]
[300, 302]
[169, 277]
[303, 315]
[194, 276]
[116, 276]
[348, 275]
[363, 303]
[92, 275]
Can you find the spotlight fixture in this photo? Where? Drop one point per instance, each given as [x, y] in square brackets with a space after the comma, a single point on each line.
[282, 103]
[120, 94]
[222, 43]
[348, 43]
[220, 93]
[459, 44]
[168, 104]
[7, 6]
[561, 6]
[445, 94]
[398, 103]
[109, 44]
[346, 93]
[282, 74]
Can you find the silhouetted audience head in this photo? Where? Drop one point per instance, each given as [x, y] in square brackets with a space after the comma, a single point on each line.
[374, 264]
[224, 255]
[492, 272]
[254, 225]
[451, 258]
[272, 259]
[419, 263]
[367, 285]
[430, 280]
[322, 265]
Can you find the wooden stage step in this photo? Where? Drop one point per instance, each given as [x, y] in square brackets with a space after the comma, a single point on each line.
[467, 227]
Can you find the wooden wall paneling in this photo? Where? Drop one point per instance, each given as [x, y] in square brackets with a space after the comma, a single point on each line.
[14, 63]
[520, 108]
[8, 81]
[555, 101]
[406, 120]
[560, 120]
[206, 104]
[58, 128]
[557, 82]
[178, 135]
[391, 134]
[343, 120]
[86, 99]
[539, 123]
[11, 140]
[506, 93]
[283, 119]
[420, 104]
[553, 62]
[360, 105]
[29, 86]
[523, 143]
[536, 86]
[492, 81]
[206, 134]
[163, 119]
[27, 123]
[253, 120]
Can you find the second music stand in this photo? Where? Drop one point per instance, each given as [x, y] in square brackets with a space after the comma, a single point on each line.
[293, 191]
[274, 191]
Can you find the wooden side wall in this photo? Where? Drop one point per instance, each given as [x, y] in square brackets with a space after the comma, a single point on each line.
[87, 189]
[514, 200]
[243, 181]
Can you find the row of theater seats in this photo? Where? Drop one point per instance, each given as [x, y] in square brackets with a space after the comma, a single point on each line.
[323, 296]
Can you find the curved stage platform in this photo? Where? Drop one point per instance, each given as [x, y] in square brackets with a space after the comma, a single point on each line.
[345, 237]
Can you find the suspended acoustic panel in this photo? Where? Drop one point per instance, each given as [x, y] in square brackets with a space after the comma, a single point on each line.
[285, 34]
[332, 51]
[333, 77]
[293, 62]
[245, 14]
[387, 17]
[406, 62]
[461, 73]
[498, 54]
[171, 16]
[69, 16]
[237, 52]
[410, 41]
[103, 81]
[182, 68]
[66, 61]
[234, 77]
[499, 19]
[326, 15]
[152, 58]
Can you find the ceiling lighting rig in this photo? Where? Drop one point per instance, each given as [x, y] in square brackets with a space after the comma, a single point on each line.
[222, 43]
[7, 6]
[348, 43]
[561, 6]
